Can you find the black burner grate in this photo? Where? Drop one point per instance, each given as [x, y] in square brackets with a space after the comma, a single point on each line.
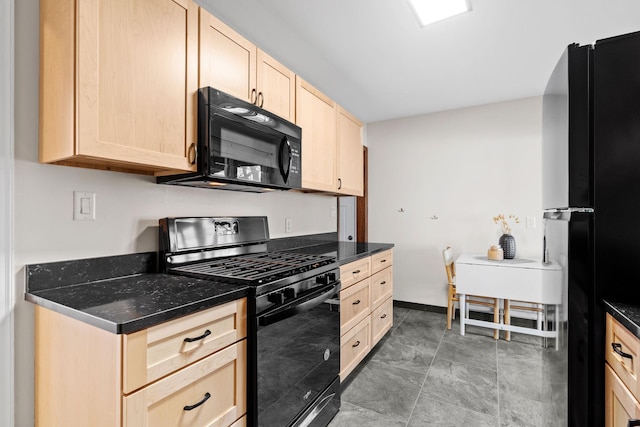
[257, 268]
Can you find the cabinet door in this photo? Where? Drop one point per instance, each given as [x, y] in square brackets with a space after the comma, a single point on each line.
[381, 321]
[355, 271]
[227, 60]
[619, 338]
[350, 158]
[381, 260]
[381, 286]
[276, 87]
[137, 80]
[355, 304]
[354, 346]
[210, 392]
[620, 405]
[155, 352]
[316, 115]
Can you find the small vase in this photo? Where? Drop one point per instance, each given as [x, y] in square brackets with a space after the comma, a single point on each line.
[508, 244]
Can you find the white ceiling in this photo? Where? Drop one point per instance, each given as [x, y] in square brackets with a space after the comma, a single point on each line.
[372, 57]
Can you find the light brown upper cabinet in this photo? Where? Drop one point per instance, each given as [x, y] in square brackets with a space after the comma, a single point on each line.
[332, 154]
[350, 161]
[316, 116]
[234, 65]
[117, 83]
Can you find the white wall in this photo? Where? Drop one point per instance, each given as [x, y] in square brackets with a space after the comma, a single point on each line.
[6, 190]
[462, 167]
[128, 206]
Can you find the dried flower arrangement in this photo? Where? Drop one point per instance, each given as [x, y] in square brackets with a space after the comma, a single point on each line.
[504, 222]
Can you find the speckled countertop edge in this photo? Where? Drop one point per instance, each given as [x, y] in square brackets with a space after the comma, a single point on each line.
[628, 315]
[143, 322]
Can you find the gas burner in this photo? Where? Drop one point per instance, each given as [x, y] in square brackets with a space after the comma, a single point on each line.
[257, 269]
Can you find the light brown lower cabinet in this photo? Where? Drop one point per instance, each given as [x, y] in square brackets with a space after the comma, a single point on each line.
[620, 405]
[381, 320]
[355, 305]
[189, 371]
[210, 392]
[381, 286]
[621, 377]
[366, 307]
[354, 346]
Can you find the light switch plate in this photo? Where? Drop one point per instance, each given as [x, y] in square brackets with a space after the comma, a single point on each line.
[531, 222]
[84, 206]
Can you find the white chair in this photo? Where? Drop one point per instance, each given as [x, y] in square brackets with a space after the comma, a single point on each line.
[450, 268]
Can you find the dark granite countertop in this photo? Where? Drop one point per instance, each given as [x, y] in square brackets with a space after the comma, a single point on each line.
[125, 293]
[122, 294]
[345, 252]
[628, 315]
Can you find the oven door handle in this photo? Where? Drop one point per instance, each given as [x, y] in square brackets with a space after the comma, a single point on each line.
[310, 302]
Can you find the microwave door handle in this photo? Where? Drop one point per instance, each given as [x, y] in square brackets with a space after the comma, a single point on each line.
[285, 172]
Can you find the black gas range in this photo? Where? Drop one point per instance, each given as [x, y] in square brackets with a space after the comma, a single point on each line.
[293, 313]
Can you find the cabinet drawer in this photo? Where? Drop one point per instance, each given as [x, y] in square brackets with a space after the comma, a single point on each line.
[381, 261]
[354, 346]
[354, 305]
[355, 271]
[220, 376]
[381, 287]
[620, 404]
[160, 350]
[381, 321]
[625, 367]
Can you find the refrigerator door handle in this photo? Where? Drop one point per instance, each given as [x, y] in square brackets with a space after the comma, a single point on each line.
[564, 214]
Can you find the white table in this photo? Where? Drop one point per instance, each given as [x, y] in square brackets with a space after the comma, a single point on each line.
[517, 279]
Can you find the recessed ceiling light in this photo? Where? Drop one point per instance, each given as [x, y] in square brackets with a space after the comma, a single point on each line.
[429, 11]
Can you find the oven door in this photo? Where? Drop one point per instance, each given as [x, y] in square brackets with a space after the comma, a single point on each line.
[298, 360]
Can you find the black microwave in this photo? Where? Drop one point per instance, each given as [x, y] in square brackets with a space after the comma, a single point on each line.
[242, 147]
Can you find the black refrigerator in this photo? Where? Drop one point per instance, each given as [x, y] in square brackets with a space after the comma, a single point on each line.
[591, 197]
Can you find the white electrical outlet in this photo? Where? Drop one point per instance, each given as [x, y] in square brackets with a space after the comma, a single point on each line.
[84, 206]
[531, 222]
[287, 225]
[333, 212]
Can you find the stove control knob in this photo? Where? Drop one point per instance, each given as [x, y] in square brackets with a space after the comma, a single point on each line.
[332, 277]
[289, 293]
[276, 298]
[322, 280]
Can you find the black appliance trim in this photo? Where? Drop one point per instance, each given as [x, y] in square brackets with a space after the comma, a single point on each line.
[298, 306]
[209, 101]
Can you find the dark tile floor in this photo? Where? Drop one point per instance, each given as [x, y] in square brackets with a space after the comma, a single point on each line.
[420, 374]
